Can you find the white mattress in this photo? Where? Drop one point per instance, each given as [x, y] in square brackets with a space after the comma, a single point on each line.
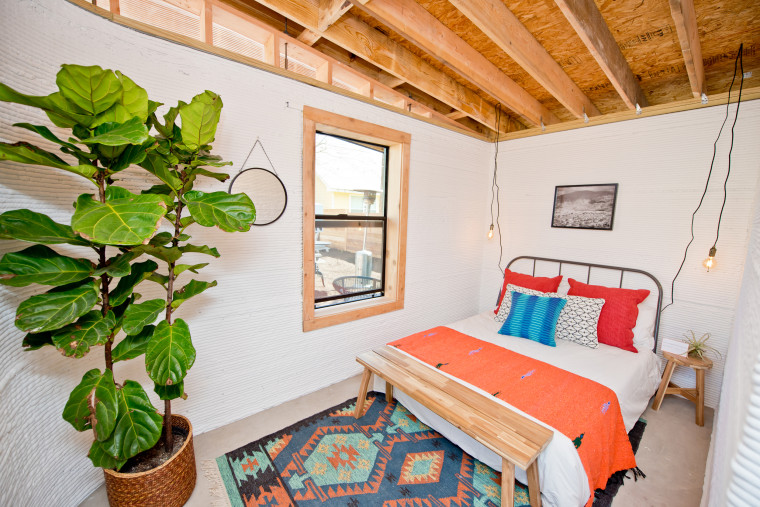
[633, 377]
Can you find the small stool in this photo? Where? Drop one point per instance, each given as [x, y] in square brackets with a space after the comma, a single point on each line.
[696, 395]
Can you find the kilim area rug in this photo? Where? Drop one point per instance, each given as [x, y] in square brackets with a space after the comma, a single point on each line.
[385, 458]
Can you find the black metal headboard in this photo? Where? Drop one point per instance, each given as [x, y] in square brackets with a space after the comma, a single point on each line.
[622, 270]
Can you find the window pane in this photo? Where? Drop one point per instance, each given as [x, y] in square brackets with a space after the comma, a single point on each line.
[350, 176]
[348, 260]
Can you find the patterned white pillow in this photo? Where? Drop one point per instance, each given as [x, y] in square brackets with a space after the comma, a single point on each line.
[577, 321]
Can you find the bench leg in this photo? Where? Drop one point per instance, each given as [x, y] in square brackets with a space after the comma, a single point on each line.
[507, 483]
[663, 385]
[700, 397]
[366, 377]
[534, 489]
[388, 392]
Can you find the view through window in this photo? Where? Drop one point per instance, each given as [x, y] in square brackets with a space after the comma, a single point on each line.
[350, 201]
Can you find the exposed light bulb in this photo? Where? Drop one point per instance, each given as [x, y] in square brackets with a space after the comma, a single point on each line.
[490, 232]
[710, 263]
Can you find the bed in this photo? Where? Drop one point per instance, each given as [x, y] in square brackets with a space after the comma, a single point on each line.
[634, 377]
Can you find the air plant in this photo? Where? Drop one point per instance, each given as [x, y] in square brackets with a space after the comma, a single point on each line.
[698, 347]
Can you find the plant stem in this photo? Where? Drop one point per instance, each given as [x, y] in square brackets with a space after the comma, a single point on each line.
[105, 279]
[168, 435]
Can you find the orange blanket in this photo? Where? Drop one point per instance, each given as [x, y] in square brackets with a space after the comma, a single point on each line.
[585, 411]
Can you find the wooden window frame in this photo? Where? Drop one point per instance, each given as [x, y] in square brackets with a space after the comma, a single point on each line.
[398, 190]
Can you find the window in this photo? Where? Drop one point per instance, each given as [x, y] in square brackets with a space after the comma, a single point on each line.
[354, 229]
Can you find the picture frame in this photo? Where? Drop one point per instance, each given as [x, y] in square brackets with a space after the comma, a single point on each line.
[585, 206]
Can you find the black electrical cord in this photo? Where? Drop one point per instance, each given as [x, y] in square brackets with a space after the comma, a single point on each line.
[495, 183]
[739, 60]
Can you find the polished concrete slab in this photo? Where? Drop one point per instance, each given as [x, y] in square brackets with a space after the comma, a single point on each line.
[672, 453]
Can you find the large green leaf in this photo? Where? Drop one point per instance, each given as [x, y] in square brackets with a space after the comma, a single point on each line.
[229, 212]
[27, 225]
[102, 459]
[90, 330]
[132, 131]
[56, 308]
[133, 154]
[210, 174]
[165, 253]
[8, 94]
[92, 89]
[138, 426]
[181, 268]
[134, 98]
[155, 164]
[140, 271]
[46, 133]
[127, 221]
[170, 353]
[118, 265]
[193, 288]
[171, 392]
[140, 315]
[132, 346]
[200, 249]
[34, 341]
[40, 264]
[93, 405]
[199, 119]
[26, 153]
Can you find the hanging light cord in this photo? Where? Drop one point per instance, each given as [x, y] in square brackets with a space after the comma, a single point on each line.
[495, 183]
[738, 61]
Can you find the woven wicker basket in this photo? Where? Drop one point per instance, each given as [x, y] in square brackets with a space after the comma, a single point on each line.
[169, 485]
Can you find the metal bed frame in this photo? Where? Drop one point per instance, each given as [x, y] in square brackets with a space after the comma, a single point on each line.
[589, 266]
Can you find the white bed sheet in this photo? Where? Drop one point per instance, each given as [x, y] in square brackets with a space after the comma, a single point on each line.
[633, 377]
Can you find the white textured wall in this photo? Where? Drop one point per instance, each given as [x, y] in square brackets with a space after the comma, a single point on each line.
[743, 349]
[660, 164]
[252, 353]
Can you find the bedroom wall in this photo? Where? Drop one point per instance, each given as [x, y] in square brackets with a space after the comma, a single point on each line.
[252, 353]
[660, 164]
[743, 350]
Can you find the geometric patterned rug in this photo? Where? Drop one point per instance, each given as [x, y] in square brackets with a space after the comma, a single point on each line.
[385, 458]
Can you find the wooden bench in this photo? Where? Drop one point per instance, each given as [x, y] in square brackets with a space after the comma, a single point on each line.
[514, 437]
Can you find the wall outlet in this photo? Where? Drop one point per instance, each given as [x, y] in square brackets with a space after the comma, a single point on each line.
[748, 74]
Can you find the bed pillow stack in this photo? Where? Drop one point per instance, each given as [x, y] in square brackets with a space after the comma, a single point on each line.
[539, 283]
[577, 320]
[619, 314]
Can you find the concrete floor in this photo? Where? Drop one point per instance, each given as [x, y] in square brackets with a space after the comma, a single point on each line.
[672, 453]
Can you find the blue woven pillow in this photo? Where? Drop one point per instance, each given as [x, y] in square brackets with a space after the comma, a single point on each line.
[533, 317]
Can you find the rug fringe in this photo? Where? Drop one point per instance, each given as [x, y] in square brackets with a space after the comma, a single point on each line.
[216, 485]
[638, 473]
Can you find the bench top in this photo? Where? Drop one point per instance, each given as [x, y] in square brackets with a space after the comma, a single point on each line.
[512, 436]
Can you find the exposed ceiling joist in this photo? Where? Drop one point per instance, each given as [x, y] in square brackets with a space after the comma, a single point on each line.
[361, 39]
[495, 20]
[207, 21]
[308, 37]
[413, 22]
[456, 115]
[588, 22]
[390, 80]
[685, 19]
[330, 11]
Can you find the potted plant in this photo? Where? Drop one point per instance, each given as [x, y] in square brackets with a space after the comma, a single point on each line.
[93, 301]
[698, 347]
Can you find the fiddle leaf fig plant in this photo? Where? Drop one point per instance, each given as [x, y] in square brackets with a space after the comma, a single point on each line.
[92, 300]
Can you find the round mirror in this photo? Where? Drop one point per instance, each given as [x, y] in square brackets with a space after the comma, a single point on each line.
[265, 189]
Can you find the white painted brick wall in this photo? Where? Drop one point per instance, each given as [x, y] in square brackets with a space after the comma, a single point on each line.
[252, 353]
[660, 164]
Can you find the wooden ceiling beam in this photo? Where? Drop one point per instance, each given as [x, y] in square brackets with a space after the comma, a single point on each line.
[390, 80]
[495, 20]
[308, 37]
[355, 36]
[330, 11]
[207, 22]
[416, 24]
[685, 19]
[587, 20]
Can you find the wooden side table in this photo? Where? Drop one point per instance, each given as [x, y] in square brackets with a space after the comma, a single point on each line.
[696, 395]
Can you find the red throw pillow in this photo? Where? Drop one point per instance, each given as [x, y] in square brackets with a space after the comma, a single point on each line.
[619, 313]
[538, 283]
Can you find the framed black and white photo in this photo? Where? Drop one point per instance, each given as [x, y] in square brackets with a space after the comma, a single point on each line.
[585, 206]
